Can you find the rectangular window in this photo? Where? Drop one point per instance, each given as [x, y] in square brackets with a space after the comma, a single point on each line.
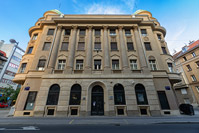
[61, 64]
[67, 32]
[30, 50]
[164, 50]
[79, 64]
[114, 46]
[163, 100]
[152, 64]
[97, 32]
[133, 64]
[147, 46]
[189, 67]
[197, 88]
[197, 63]
[183, 91]
[127, 32]
[46, 46]
[97, 45]
[97, 64]
[185, 59]
[193, 78]
[23, 67]
[80, 46]
[82, 32]
[115, 64]
[170, 66]
[41, 64]
[112, 32]
[64, 46]
[30, 101]
[143, 32]
[130, 46]
[193, 54]
[34, 37]
[159, 36]
[50, 31]
[16, 58]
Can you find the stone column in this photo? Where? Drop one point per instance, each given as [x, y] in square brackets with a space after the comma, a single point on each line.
[125, 64]
[55, 49]
[70, 63]
[141, 53]
[106, 52]
[88, 66]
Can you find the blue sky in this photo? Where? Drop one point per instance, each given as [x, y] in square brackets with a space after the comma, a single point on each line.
[179, 17]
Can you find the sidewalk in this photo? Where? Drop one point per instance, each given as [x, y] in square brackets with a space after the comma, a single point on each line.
[99, 120]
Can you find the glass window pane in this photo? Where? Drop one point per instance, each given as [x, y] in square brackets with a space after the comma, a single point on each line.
[30, 101]
[50, 32]
[64, 46]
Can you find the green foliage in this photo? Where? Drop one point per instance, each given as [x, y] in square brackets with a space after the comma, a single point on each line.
[8, 92]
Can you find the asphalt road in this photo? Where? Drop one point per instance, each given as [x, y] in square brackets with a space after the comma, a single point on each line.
[114, 128]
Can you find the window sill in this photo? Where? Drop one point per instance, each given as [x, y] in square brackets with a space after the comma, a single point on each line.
[80, 50]
[113, 34]
[131, 50]
[97, 50]
[114, 50]
[66, 35]
[63, 50]
[116, 70]
[128, 35]
[58, 71]
[136, 70]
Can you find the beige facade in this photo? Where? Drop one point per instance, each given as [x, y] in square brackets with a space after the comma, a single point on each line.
[82, 65]
[187, 63]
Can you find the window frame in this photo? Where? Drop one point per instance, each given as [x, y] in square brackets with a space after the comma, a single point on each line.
[81, 46]
[34, 37]
[31, 101]
[67, 32]
[147, 46]
[61, 64]
[193, 77]
[45, 47]
[96, 65]
[42, 67]
[50, 31]
[170, 67]
[133, 65]
[143, 32]
[115, 66]
[23, 68]
[30, 50]
[79, 65]
[130, 44]
[66, 47]
[114, 46]
[153, 65]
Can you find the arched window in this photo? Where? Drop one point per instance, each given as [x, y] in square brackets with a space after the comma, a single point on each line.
[53, 95]
[119, 95]
[141, 95]
[75, 95]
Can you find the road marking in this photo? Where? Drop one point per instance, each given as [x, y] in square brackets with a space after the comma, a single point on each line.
[126, 121]
[71, 121]
[29, 128]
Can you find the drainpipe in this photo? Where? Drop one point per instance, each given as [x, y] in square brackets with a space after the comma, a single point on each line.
[51, 47]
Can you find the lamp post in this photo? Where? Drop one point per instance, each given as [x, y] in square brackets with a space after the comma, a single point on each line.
[9, 59]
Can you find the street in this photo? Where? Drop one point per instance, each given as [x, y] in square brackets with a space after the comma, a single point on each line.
[113, 128]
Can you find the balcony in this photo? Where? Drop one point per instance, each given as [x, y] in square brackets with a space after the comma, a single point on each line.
[20, 78]
[174, 77]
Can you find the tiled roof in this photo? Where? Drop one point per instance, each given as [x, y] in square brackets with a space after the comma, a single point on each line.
[190, 47]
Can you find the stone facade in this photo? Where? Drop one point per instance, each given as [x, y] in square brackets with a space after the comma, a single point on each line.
[118, 62]
[187, 63]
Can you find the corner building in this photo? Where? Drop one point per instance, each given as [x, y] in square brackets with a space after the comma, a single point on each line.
[82, 65]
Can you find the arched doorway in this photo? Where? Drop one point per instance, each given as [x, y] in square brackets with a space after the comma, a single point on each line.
[97, 100]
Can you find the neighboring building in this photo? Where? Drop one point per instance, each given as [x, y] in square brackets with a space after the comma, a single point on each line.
[97, 65]
[11, 66]
[3, 60]
[187, 63]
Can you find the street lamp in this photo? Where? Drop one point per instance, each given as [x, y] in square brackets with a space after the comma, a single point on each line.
[9, 59]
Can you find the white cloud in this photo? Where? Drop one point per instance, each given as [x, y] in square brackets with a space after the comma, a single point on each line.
[129, 3]
[103, 9]
[175, 40]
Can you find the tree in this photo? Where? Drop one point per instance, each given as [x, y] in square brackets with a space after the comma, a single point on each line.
[8, 93]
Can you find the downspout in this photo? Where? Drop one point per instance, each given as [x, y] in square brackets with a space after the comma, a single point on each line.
[51, 47]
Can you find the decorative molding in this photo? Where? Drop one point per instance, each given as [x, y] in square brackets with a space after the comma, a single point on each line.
[133, 55]
[146, 38]
[49, 38]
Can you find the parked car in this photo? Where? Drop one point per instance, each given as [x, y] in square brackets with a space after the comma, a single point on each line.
[3, 105]
[186, 109]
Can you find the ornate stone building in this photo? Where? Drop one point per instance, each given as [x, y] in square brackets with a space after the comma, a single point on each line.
[82, 65]
[187, 63]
